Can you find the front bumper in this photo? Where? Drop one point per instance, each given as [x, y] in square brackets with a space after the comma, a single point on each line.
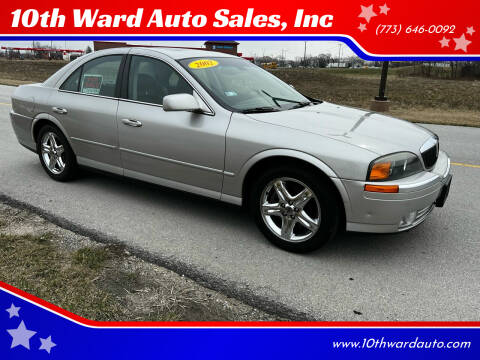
[386, 213]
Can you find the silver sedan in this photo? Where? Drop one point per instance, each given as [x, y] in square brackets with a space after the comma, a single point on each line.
[219, 126]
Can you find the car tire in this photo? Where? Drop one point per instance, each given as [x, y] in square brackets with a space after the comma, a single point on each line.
[314, 222]
[56, 156]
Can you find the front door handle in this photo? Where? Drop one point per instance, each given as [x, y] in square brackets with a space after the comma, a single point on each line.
[130, 122]
[59, 110]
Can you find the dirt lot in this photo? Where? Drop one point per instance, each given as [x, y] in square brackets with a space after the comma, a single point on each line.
[102, 282]
[454, 102]
[17, 72]
[436, 101]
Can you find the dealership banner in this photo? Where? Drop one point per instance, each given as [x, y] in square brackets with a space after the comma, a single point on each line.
[31, 328]
[374, 29]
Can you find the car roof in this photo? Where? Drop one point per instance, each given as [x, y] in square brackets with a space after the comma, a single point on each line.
[181, 53]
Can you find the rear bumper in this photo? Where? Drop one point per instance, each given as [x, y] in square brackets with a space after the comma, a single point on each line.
[386, 213]
[22, 126]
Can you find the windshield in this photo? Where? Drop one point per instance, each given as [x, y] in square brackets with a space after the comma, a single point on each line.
[242, 86]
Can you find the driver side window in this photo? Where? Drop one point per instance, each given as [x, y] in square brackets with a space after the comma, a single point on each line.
[150, 80]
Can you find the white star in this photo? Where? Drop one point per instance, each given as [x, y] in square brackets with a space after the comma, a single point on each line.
[470, 30]
[367, 12]
[21, 336]
[384, 9]
[362, 27]
[444, 42]
[47, 344]
[461, 43]
[13, 311]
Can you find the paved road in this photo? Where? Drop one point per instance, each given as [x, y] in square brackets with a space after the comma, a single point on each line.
[429, 273]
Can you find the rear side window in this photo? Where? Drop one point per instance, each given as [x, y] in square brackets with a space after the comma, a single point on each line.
[150, 80]
[73, 81]
[99, 76]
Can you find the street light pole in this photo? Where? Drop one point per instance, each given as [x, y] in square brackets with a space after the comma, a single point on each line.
[383, 83]
[381, 103]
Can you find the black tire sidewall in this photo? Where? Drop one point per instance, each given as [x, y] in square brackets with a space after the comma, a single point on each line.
[325, 193]
[70, 160]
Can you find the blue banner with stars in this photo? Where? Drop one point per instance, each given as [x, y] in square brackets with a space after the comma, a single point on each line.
[32, 330]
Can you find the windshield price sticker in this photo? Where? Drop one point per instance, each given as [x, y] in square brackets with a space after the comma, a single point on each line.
[203, 64]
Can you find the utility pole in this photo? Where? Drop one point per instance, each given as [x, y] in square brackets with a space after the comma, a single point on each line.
[339, 53]
[305, 55]
[282, 57]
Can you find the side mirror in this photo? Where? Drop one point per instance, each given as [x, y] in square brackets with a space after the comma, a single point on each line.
[180, 102]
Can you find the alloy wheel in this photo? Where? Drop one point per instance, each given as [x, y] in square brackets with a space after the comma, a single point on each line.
[290, 209]
[53, 153]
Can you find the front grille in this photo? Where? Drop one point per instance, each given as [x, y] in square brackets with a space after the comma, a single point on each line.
[430, 155]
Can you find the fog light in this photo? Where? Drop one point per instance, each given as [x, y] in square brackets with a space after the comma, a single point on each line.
[408, 219]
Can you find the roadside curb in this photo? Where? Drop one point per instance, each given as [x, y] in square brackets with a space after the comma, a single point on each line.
[238, 291]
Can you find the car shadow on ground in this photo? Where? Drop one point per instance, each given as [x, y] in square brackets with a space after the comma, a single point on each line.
[237, 219]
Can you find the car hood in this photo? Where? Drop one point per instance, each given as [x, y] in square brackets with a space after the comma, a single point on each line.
[369, 130]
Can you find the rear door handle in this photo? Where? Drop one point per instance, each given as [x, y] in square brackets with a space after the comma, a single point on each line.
[59, 110]
[130, 122]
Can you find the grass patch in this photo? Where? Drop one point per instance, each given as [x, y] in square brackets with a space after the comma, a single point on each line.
[17, 72]
[92, 258]
[349, 88]
[102, 282]
[453, 102]
[33, 264]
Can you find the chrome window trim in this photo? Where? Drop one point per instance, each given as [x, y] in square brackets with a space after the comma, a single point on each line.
[211, 113]
[94, 95]
[83, 60]
[65, 77]
[173, 66]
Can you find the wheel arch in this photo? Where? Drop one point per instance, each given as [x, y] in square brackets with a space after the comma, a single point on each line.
[46, 119]
[268, 159]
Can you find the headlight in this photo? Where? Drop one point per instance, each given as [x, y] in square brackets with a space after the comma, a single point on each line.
[394, 166]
